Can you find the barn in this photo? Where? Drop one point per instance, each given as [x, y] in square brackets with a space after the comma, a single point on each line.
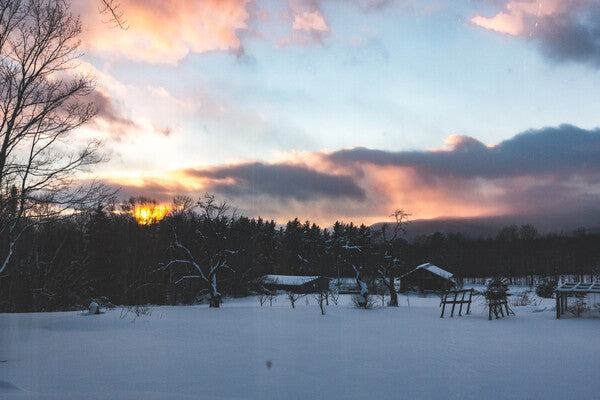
[294, 284]
[427, 277]
[350, 286]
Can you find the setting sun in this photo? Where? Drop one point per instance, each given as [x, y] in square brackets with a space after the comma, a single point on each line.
[146, 215]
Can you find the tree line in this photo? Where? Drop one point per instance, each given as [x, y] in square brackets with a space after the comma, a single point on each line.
[203, 249]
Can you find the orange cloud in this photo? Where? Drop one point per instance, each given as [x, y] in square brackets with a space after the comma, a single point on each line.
[521, 16]
[424, 198]
[166, 31]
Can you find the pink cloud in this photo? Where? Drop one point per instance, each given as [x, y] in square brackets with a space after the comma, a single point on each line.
[310, 21]
[166, 31]
[520, 17]
[308, 24]
[564, 30]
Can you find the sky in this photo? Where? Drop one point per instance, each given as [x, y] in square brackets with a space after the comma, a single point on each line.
[347, 110]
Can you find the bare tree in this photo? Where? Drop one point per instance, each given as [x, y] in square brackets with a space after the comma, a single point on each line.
[320, 297]
[181, 205]
[347, 250]
[112, 9]
[293, 297]
[362, 298]
[264, 294]
[262, 298]
[41, 102]
[389, 268]
[211, 253]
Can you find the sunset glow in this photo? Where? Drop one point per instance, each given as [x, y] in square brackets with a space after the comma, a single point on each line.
[348, 110]
[149, 214]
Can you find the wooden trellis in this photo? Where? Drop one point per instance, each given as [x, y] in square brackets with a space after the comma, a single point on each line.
[573, 289]
[498, 306]
[447, 298]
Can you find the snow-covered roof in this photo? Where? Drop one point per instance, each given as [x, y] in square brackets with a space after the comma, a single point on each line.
[581, 287]
[344, 281]
[291, 280]
[434, 270]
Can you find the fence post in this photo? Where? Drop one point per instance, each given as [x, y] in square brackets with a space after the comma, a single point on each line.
[469, 304]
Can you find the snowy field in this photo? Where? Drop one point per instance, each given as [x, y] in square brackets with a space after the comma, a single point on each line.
[244, 351]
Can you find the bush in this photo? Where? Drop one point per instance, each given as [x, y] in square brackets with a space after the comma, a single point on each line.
[370, 302]
[523, 299]
[579, 306]
[137, 311]
[546, 288]
[496, 289]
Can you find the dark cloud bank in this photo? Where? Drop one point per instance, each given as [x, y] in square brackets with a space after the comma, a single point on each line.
[279, 180]
[573, 35]
[559, 151]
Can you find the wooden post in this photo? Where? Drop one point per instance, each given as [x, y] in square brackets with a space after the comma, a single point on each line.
[490, 307]
[462, 300]
[444, 305]
[453, 304]
[469, 305]
[558, 305]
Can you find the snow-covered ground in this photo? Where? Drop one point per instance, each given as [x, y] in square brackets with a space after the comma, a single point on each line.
[244, 351]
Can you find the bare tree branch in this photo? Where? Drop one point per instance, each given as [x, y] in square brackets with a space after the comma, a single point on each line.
[114, 12]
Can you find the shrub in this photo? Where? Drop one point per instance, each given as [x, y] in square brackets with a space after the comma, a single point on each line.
[496, 289]
[578, 306]
[137, 311]
[370, 302]
[546, 288]
[523, 299]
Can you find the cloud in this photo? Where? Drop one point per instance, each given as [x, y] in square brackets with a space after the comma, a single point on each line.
[278, 180]
[113, 123]
[309, 25]
[553, 172]
[166, 31]
[151, 188]
[106, 112]
[520, 16]
[560, 151]
[310, 21]
[565, 30]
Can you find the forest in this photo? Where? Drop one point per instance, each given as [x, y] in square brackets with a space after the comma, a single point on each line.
[130, 254]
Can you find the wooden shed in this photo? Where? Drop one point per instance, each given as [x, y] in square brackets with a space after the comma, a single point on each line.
[294, 284]
[427, 277]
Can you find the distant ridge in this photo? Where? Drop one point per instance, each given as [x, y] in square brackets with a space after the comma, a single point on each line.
[485, 227]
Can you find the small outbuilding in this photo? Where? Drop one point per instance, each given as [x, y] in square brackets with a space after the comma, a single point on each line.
[427, 277]
[294, 284]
